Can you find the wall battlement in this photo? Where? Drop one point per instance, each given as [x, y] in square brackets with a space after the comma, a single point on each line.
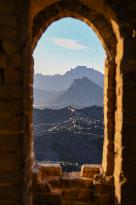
[87, 187]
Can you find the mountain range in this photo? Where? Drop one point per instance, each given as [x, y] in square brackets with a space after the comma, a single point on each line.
[79, 87]
[82, 92]
[45, 97]
[55, 82]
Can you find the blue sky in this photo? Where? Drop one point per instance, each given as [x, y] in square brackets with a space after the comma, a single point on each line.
[66, 44]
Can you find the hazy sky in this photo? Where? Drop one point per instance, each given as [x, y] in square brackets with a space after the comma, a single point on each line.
[66, 44]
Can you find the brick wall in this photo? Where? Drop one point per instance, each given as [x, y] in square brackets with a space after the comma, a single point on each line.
[14, 156]
[87, 187]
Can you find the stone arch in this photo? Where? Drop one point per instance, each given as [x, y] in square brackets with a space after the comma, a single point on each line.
[107, 37]
[77, 10]
[119, 79]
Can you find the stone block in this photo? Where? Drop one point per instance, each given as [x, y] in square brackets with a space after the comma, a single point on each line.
[14, 60]
[10, 177]
[8, 33]
[10, 47]
[8, 20]
[10, 92]
[9, 202]
[12, 161]
[5, 106]
[76, 182]
[8, 7]
[74, 174]
[50, 170]
[54, 198]
[10, 142]
[65, 182]
[42, 188]
[78, 194]
[89, 170]
[77, 202]
[100, 188]
[10, 72]
[10, 121]
[3, 61]
[104, 200]
[54, 181]
[129, 50]
[10, 192]
[81, 182]
[10, 62]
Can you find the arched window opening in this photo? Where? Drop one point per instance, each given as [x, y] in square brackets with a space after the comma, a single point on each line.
[68, 95]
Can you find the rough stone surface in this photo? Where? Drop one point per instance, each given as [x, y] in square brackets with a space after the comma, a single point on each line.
[90, 170]
[66, 189]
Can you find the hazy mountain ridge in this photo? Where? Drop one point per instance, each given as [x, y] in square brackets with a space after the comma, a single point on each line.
[82, 92]
[55, 82]
[45, 97]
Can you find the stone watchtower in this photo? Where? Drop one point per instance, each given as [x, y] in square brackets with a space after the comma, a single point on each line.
[22, 23]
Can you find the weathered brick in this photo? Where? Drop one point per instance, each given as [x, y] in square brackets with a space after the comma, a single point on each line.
[75, 202]
[11, 92]
[11, 121]
[10, 47]
[8, 20]
[50, 170]
[54, 181]
[13, 142]
[10, 177]
[6, 105]
[89, 170]
[10, 192]
[8, 33]
[12, 160]
[71, 182]
[8, 7]
[78, 194]
[50, 198]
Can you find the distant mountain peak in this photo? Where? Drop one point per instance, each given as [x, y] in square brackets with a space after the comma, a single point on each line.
[83, 81]
[82, 92]
[81, 67]
[78, 69]
[57, 82]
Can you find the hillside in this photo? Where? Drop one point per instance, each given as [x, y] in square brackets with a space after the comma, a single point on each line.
[82, 92]
[58, 116]
[69, 136]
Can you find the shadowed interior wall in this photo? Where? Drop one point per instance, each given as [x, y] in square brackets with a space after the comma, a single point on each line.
[15, 106]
